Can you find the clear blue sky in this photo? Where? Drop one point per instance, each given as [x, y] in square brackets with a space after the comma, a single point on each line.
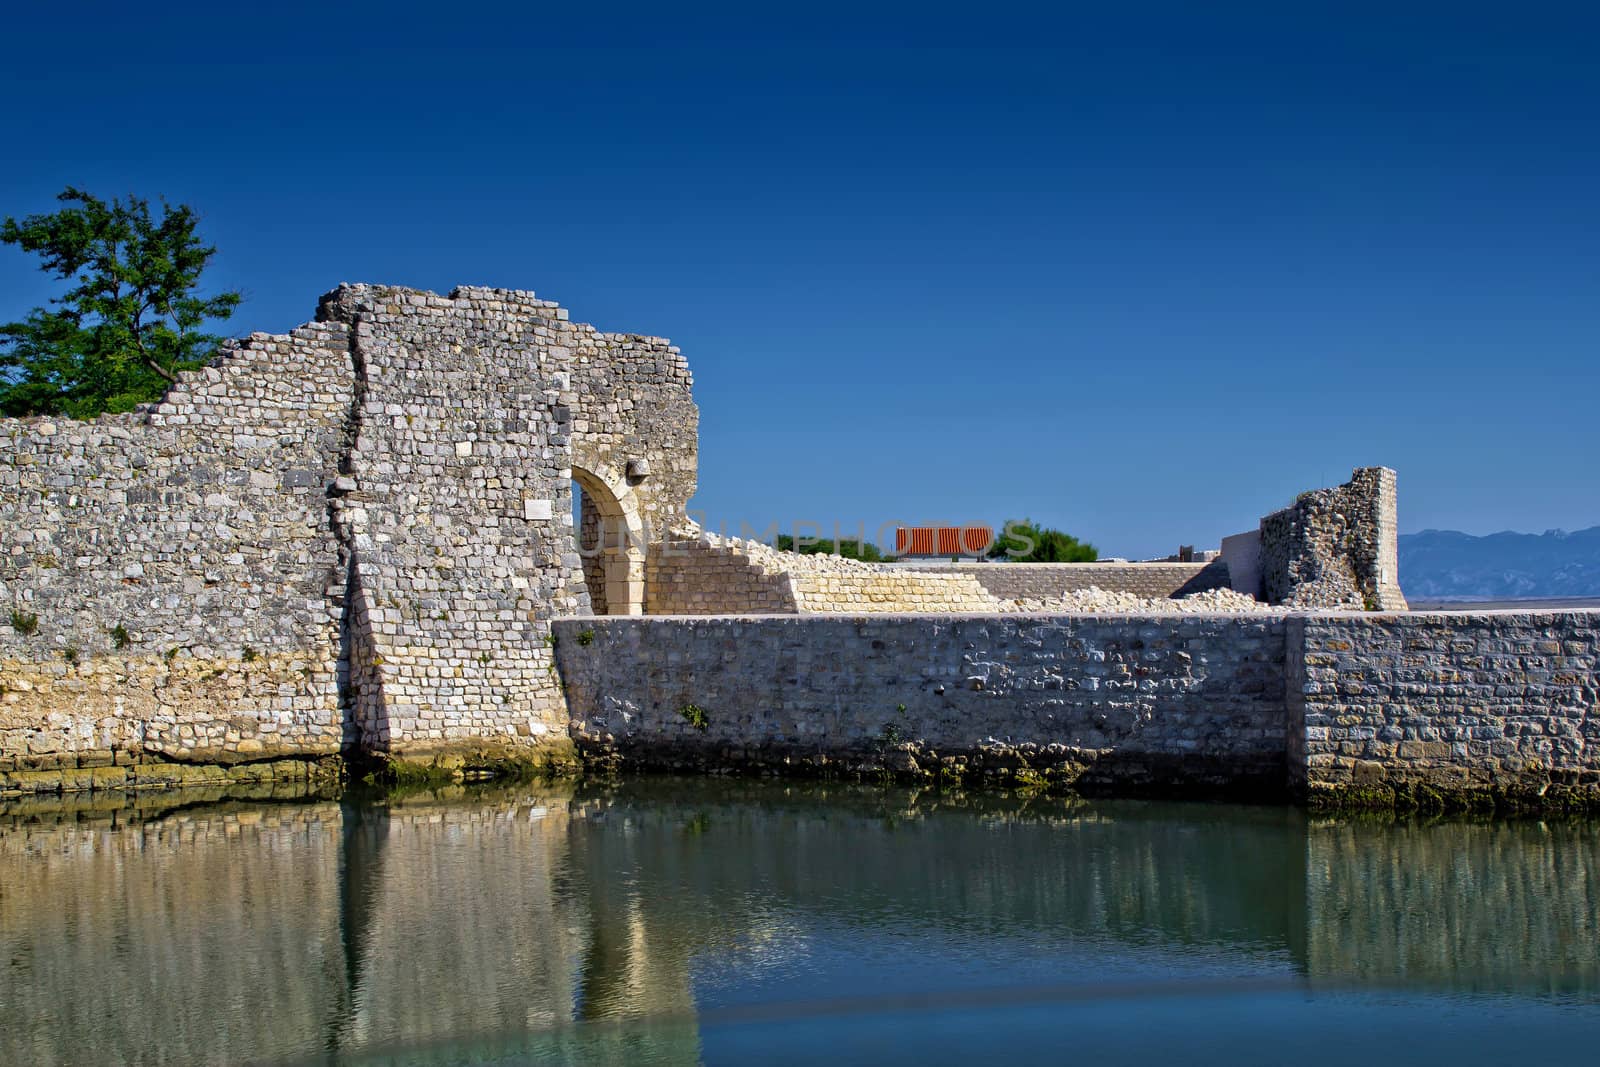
[1139, 271]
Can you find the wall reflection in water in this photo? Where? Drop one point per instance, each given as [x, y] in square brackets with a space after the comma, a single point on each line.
[330, 930]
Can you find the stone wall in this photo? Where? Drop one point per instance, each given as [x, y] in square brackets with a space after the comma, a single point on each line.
[1336, 548]
[178, 567]
[1492, 707]
[1241, 555]
[1488, 701]
[353, 535]
[696, 573]
[700, 576]
[476, 411]
[1196, 701]
[1046, 581]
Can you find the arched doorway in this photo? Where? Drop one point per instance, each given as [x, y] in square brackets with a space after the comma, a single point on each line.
[610, 543]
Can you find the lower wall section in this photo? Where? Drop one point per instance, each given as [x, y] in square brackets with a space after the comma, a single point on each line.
[1485, 709]
[1095, 701]
[1503, 705]
[114, 709]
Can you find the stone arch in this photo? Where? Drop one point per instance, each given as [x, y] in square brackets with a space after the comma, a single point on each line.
[611, 539]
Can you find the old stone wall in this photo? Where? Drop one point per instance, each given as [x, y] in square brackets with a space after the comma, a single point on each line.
[353, 535]
[171, 576]
[1336, 548]
[702, 576]
[1492, 701]
[1046, 581]
[1501, 707]
[697, 573]
[458, 500]
[1090, 699]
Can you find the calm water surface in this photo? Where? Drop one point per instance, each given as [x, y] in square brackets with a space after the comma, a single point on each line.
[690, 921]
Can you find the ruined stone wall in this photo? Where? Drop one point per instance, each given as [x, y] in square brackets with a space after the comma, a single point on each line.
[696, 576]
[1505, 701]
[702, 574]
[179, 566]
[1092, 699]
[1336, 548]
[1046, 581]
[458, 428]
[1353, 707]
[707, 575]
[354, 534]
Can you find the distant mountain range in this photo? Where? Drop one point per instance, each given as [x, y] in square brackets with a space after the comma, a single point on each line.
[1449, 565]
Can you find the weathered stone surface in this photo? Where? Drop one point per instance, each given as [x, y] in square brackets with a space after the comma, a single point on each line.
[1336, 548]
[352, 535]
[1501, 704]
[1498, 708]
[1087, 700]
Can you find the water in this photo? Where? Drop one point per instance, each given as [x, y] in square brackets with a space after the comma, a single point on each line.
[686, 921]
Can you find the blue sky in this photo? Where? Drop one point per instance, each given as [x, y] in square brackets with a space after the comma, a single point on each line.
[1142, 272]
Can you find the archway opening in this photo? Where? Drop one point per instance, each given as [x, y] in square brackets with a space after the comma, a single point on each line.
[609, 547]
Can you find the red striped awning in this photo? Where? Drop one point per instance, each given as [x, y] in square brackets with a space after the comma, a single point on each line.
[943, 540]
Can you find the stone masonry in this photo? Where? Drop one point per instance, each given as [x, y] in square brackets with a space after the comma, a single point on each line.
[1094, 700]
[1335, 548]
[1491, 707]
[351, 536]
[356, 538]
[1452, 702]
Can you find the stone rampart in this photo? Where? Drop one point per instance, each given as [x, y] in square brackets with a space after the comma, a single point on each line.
[1193, 701]
[1335, 548]
[1494, 708]
[171, 576]
[350, 536]
[475, 413]
[1488, 702]
[699, 576]
[702, 574]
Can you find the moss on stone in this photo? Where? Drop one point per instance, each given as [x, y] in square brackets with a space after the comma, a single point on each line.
[468, 762]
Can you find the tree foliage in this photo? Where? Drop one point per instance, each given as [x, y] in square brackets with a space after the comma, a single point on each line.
[1025, 542]
[130, 319]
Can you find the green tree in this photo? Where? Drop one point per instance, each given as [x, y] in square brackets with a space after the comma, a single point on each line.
[1025, 542]
[131, 318]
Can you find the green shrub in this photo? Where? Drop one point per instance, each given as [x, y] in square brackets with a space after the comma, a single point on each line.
[695, 716]
[119, 637]
[1025, 542]
[25, 623]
